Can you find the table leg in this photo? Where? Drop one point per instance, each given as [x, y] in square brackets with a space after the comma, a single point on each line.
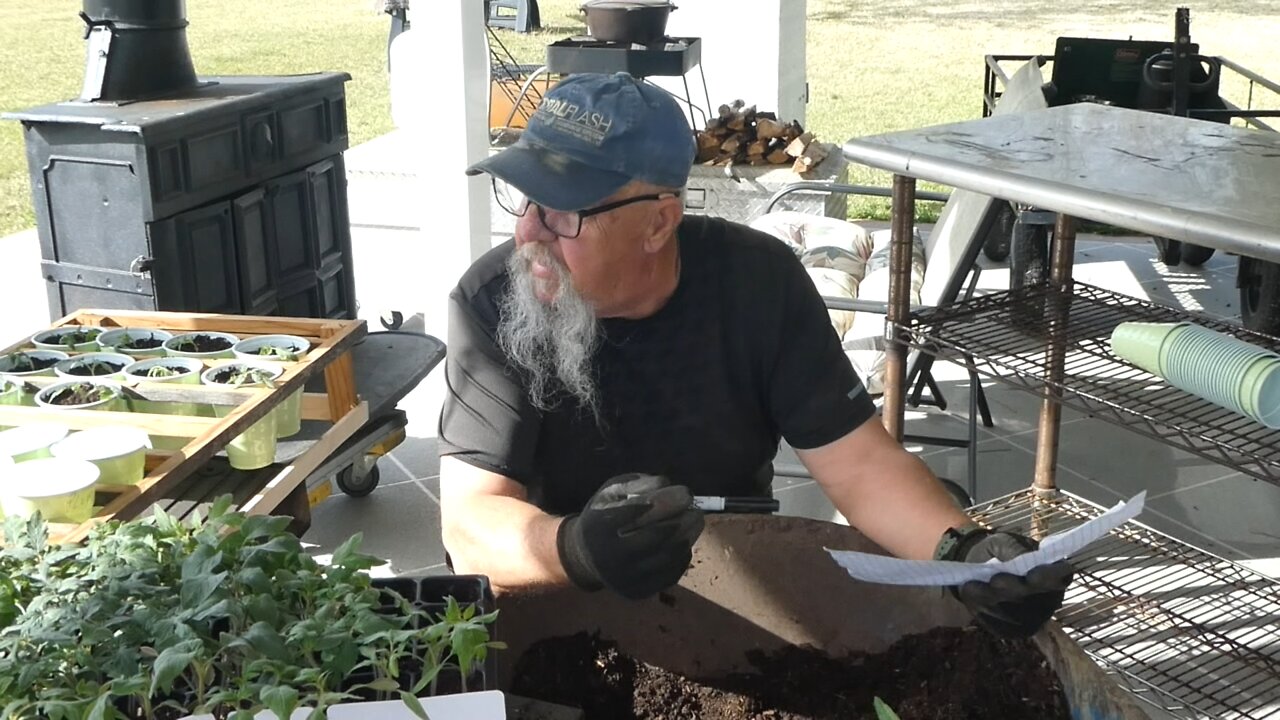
[1057, 309]
[895, 378]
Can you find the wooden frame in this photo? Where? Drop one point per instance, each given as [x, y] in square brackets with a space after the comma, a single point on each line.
[339, 404]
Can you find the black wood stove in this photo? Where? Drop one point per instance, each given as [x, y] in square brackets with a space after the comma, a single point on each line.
[157, 189]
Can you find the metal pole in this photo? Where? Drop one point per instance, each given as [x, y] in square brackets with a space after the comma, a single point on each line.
[1057, 310]
[895, 381]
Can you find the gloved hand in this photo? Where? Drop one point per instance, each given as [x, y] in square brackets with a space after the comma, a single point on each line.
[635, 536]
[1008, 605]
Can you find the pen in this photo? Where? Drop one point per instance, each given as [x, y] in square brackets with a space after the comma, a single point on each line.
[711, 503]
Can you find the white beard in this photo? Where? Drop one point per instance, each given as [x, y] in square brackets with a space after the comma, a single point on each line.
[551, 341]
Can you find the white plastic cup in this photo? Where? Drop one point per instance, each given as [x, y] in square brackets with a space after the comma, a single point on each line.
[289, 412]
[120, 453]
[115, 341]
[31, 441]
[61, 490]
[256, 447]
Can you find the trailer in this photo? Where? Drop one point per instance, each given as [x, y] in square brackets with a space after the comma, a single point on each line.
[1163, 76]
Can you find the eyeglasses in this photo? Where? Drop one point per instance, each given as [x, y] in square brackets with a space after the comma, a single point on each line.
[564, 223]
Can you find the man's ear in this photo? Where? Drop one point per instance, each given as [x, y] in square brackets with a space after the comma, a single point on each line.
[663, 223]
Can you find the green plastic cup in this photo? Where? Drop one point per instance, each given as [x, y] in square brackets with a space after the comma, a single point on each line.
[61, 490]
[10, 391]
[65, 338]
[114, 398]
[188, 373]
[15, 365]
[31, 441]
[280, 349]
[1143, 344]
[120, 453]
[256, 447]
[118, 341]
[174, 346]
[67, 368]
[1260, 391]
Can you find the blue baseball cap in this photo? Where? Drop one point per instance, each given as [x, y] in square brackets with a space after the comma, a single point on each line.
[591, 135]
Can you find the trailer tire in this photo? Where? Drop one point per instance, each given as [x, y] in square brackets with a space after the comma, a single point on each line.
[1000, 237]
[1029, 256]
[1259, 283]
[358, 487]
[1196, 255]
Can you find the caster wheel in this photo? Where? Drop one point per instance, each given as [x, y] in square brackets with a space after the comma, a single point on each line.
[358, 487]
[1168, 251]
[393, 320]
[1259, 283]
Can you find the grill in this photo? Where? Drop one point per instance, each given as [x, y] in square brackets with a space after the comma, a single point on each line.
[160, 190]
[1187, 632]
[1005, 335]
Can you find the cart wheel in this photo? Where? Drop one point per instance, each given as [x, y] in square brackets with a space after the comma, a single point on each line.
[1259, 283]
[358, 487]
[392, 320]
[1169, 251]
[1196, 255]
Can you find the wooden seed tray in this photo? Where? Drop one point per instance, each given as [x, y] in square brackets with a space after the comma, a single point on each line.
[331, 341]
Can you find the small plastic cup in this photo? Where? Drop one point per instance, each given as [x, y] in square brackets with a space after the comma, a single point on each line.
[62, 338]
[1142, 343]
[117, 341]
[114, 401]
[66, 368]
[61, 490]
[31, 441]
[256, 447]
[174, 346]
[189, 369]
[289, 348]
[120, 453]
[1210, 364]
[1260, 391]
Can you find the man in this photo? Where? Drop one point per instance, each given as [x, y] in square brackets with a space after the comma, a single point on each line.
[616, 358]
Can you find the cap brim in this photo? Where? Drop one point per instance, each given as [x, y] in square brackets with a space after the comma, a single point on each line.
[549, 178]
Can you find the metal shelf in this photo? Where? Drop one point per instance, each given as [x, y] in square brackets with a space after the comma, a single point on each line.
[1187, 632]
[1007, 335]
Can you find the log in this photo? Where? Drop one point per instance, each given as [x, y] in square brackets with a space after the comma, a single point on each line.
[797, 146]
[708, 146]
[730, 145]
[757, 148]
[777, 157]
[768, 129]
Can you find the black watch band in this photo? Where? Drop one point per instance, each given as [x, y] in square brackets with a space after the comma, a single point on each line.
[955, 542]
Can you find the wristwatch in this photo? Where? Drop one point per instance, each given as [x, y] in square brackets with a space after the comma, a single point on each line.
[956, 541]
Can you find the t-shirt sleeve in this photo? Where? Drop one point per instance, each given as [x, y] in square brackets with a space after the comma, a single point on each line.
[487, 420]
[815, 395]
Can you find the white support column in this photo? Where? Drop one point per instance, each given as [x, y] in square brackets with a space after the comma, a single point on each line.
[440, 97]
[751, 49]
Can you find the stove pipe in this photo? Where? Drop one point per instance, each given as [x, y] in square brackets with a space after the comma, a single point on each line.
[136, 49]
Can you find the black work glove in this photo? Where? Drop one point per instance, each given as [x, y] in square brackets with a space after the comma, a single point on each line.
[635, 536]
[1008, 605]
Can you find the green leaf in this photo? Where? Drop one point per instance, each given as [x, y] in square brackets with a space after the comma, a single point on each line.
[280, 700]
[196, 591]
[264, 638]
[171, 663]
[414, 706]
[347, 551]
[100, 708]
[883, 711]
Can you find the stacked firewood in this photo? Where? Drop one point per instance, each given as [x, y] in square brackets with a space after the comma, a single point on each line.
[740, 135]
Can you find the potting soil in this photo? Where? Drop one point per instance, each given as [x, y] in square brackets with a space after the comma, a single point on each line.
[944, 674]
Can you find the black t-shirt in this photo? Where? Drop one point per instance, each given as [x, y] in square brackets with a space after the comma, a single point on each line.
[742, 353]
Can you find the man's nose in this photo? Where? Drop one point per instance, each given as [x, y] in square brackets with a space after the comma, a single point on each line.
[529, 228]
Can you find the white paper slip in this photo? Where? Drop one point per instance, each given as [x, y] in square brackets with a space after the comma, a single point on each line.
[1059, 546]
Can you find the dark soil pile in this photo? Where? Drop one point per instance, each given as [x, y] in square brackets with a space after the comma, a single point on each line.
[945, 674]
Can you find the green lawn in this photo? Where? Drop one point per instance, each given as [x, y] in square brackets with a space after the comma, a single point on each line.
[873, 66]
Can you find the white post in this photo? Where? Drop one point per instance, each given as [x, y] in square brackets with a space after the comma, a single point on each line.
[753, 50]
[440, 97]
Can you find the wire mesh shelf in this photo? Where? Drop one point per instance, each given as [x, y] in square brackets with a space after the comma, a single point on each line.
[1187, 632]
[1008, 335]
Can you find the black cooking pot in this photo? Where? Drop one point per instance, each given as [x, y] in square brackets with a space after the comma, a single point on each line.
[632, 21]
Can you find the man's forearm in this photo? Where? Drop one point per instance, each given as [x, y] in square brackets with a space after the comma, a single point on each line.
[884, 491]
[507, 539]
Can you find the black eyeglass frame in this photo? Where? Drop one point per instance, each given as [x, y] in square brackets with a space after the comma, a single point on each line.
[581, 214]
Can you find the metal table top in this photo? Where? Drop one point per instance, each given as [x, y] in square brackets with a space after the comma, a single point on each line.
[1191, 180]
